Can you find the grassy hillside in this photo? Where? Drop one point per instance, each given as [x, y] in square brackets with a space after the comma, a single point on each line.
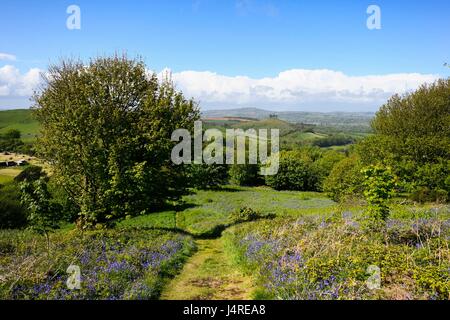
[21, 120]
[283, 126]
[344, 121]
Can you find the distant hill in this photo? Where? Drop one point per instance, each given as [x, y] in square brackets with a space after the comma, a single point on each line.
[331, 119]
[283, 126]
[20, 119]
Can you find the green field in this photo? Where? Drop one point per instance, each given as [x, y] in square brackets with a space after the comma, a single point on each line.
[23, 121]
[208, 212]
[20, 120]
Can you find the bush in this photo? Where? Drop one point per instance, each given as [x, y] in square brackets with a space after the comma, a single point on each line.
[325, 164]
[345, 180]
[425, 194]
[379, 184]
[246, 214]
[245, 174]
[334, 140]
[204, 176]
[12, 214]
[69, 210]
[44, 214]
[295, 173]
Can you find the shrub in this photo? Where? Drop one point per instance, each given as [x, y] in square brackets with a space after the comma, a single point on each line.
[245, 214]
[44, 215]
[204, 176]
[295, 173]
[245, 174]
[334, 140]
[425, 194]
[325, 164]
[345, 180]
[379, 184]
[12, 213]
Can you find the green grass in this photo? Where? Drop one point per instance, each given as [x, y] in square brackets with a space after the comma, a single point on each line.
[162, 220]
[21, 120]
[5, 179]
[210, 274]
[8, 174]
[209, 211]
[283, 126]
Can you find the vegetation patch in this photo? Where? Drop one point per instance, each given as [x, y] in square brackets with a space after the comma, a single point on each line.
[115, 264]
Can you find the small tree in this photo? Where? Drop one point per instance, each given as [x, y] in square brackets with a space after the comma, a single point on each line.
[204, 176]
[295, 173]
[12, 134]
[345, 180]
[379, 183]
[106, 128]
[43, 215]
[245, 174]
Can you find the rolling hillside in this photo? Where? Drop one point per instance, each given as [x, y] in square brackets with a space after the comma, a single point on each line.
[347, 121]
[21, 120]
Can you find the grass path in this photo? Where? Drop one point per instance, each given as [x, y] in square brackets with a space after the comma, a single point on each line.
[209, 274]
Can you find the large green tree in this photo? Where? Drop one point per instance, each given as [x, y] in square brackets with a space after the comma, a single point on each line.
[106, 129]
[412, 135]
[415, 126]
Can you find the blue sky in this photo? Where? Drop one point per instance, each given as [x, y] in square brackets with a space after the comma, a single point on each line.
[217, 41]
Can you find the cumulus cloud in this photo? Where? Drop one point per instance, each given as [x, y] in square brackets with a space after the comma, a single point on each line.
[13, 83]
[297, 89]
[7, 56]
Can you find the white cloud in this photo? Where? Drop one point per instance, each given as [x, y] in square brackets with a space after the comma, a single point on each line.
[297, 89]
[7, 56]
[15, 84]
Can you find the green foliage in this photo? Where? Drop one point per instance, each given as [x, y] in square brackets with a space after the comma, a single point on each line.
[11, 134]
[245, 174]
[209, 210]
[325, 163]
[43, 215]
[334, 140]
[424, 194]
[62, 200]
[345, 179]
[204, 176]
[295, 173]
[10, 141]
[413, 137]
[423, 113]
[245, 214]
[379, 184]
[12, 213]
[106, 127]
